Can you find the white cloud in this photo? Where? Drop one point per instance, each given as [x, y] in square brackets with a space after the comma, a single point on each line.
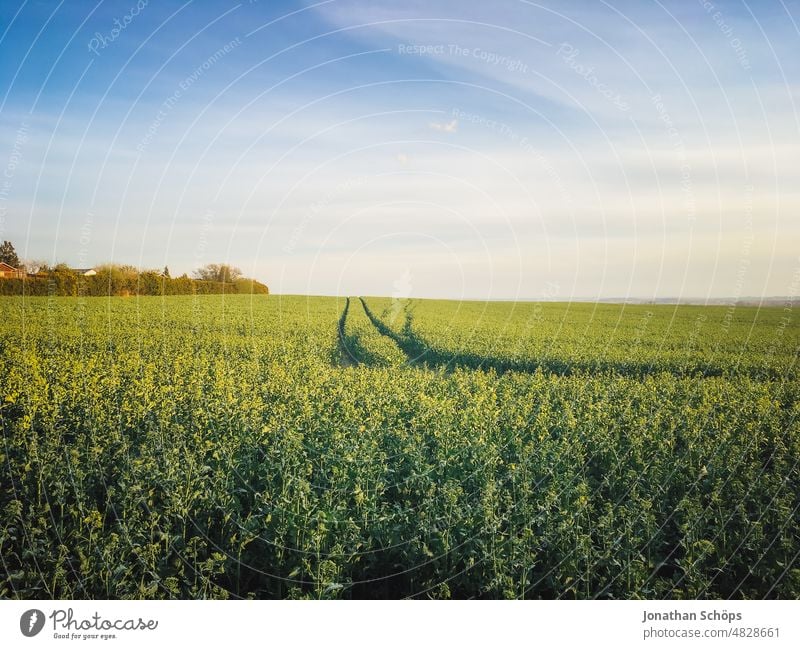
[447, 127]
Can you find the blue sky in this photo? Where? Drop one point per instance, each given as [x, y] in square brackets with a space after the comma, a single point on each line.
[441, 149]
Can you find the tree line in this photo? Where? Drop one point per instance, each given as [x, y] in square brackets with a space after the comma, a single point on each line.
[118, 279]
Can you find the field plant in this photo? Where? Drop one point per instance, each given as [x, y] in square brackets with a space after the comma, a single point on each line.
[252, 446]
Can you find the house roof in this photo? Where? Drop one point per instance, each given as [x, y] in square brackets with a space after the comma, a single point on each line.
[5, 266]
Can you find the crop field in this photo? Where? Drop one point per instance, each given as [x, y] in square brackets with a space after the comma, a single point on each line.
[307, 447]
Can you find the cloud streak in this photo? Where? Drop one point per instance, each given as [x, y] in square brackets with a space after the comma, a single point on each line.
[446, 127]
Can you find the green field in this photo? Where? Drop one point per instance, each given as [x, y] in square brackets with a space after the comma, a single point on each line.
[274, 446]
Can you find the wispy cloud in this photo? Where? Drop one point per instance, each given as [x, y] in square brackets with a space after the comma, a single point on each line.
[447, 127]
[480, 147]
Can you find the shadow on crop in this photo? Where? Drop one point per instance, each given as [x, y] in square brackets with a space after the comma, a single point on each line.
[347, 344]
[420, 352]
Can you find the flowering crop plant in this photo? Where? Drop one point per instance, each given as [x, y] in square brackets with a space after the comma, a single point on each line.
[252, 446]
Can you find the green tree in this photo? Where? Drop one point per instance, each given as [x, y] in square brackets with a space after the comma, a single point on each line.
[8, 254]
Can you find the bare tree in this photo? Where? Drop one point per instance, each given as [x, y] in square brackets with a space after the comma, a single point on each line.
[34, 266]
[218, 273]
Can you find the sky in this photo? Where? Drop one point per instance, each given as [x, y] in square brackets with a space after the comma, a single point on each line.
[501, 150]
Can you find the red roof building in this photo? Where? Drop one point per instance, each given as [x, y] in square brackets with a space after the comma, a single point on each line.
[8, 272]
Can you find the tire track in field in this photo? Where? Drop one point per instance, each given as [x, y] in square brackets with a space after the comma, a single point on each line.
[420, 353]
[412, 346]
[361, 344]
[346, 357]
